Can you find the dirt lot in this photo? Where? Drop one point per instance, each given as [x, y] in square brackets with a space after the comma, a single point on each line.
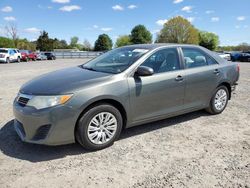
[192, 150]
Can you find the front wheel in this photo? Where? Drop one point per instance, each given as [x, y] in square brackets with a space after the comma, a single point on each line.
[99, 127]
[219, 100]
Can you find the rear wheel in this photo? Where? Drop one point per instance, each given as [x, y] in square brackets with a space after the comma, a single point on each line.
[219, 100]
[99, 127]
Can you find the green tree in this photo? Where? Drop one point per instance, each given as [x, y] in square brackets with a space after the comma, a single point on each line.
[208, 40]
[123, 41]
[44, 43]
[178, 30]
[25, 44]
[6, 43]
[59, 44]
[140, 35]
[243, 47]
[73, 42]
[103, 43]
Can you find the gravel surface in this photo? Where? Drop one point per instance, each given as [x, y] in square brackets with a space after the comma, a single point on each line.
[192, 150]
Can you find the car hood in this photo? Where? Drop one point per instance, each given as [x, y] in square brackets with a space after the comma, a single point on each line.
[63, 81]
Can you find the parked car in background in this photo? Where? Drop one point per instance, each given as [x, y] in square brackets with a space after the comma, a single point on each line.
[124, 87]
[235, 56]
[244, 57]
[50, 55]
[8, 55]
[225, 56]
[28, 55]
[24, 55]
[41, 56]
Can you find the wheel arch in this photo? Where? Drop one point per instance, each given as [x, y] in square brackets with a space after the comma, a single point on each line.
[112, 102]
[226, 84]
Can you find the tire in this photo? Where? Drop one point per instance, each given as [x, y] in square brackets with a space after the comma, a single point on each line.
[218, 103]
[7, 60]
[88, 125]
[18, 60]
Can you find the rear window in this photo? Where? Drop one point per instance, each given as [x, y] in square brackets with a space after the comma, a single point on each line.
[3, 51]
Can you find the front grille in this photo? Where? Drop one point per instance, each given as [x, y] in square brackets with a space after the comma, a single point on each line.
[42, 132]
[23, 101]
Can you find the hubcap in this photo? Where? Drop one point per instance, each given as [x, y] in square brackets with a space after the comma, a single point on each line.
[220, 99]
[102, 128]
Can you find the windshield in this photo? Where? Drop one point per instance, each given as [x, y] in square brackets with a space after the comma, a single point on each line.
[3, 51]
[115, 61]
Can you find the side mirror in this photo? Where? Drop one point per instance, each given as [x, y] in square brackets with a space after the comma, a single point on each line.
[144, 71]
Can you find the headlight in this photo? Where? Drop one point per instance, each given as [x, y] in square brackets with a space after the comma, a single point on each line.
[40, 102]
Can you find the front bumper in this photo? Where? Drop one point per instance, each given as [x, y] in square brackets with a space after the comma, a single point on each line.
[51, 126]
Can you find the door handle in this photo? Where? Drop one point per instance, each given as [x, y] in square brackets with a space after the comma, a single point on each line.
[179, 78]
[216, 71]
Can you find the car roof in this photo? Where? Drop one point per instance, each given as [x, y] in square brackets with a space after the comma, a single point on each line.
[157, 45]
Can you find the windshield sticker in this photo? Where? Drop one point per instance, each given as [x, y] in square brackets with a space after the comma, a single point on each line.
[140, 50]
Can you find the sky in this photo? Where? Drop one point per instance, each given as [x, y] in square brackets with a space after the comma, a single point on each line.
[63, 19]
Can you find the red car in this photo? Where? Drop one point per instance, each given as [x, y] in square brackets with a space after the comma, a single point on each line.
[28, 55]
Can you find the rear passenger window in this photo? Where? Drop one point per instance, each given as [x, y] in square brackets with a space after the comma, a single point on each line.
[163, 60]
[195, 58]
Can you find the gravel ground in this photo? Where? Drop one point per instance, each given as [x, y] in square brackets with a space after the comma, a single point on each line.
[192, 150]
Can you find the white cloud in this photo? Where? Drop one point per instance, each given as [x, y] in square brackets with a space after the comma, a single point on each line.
[237, 26]
[95, 26]
[33, 30]
[187, 9]
[117, 7]
[191, 19]
[209, 12]
[177, 1]
[61, 1]
[161, 22]
[9, 18]
[7, 9]
[241, 18]
[70, 8]
[132, 6]
[106, 29]
[215, 19]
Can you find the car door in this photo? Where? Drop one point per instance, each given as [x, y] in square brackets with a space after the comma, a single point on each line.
[161, 93]
[202, 76]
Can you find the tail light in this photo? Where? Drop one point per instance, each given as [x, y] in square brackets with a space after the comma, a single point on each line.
[238, 68]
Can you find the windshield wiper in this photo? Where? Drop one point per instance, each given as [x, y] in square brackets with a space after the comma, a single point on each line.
[88, 68]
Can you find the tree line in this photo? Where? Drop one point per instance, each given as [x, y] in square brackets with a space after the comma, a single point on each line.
[176, 30]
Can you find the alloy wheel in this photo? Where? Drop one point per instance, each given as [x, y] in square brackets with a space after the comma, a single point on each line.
[220, 100]
[102, 128]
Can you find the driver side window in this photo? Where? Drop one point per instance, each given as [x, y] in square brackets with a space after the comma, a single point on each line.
[163, 61]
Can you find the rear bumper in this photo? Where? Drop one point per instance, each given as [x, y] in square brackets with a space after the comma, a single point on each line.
[3, 60]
